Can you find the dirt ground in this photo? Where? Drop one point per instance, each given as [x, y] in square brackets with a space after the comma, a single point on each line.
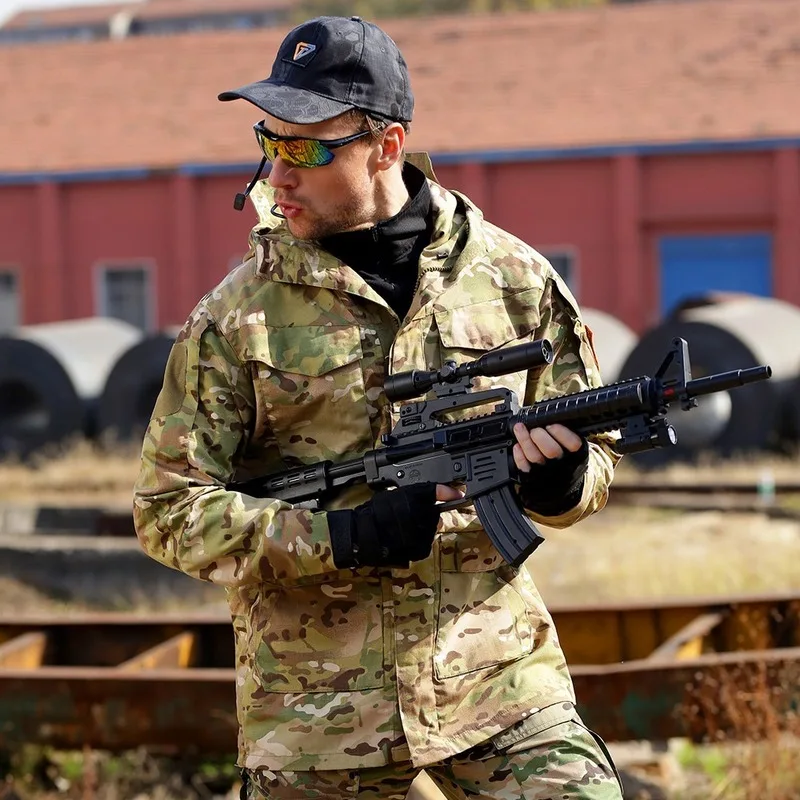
[620, 553]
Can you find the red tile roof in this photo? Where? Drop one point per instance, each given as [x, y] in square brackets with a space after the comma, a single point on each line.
[651, 72]
[64, 17]
[142, 9]
[152, 9]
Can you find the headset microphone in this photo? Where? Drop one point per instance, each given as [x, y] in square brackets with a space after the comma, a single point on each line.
[238, 201]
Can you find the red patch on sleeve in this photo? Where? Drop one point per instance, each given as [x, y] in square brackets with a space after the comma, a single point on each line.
[590, 339]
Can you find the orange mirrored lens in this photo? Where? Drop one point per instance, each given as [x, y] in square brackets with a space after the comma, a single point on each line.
[295, 152]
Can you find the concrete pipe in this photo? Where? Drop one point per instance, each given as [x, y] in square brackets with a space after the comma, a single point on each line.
[792, 406]
[132, 387]
[51, 376]
[724, 334]
[612, 339]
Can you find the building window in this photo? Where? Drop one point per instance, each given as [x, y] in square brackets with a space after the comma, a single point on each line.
[126, 293]
[564, 262]
[9, 300]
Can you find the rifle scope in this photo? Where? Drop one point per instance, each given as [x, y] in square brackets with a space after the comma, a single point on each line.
[416, 382]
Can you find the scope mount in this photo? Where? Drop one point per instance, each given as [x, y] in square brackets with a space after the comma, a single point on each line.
[417, 382]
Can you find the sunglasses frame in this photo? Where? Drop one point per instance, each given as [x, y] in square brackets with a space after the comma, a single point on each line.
[261, 130]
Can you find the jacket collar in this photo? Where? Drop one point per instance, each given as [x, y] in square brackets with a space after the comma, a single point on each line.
[282, 258]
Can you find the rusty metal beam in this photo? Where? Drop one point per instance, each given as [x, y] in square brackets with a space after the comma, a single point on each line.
[606, 633]
[660, 700]
[109, 639]
[116, 681]
[102, 707]
[615, 632]
[69, 707]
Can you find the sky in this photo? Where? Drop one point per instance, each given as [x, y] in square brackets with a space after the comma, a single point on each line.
[9, 7]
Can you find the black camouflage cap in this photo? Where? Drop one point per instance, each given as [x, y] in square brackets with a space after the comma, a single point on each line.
[329, 65]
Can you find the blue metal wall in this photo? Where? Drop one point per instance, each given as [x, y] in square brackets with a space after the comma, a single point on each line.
[694, 265]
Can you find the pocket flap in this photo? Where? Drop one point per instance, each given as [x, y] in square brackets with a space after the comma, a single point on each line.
[305, 350]
[521, 735]
[490, 324]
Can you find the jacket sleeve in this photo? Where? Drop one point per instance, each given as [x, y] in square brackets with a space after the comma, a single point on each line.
[574, 369]
[183, 515]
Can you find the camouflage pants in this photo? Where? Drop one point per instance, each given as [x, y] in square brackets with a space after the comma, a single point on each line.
[565, 761]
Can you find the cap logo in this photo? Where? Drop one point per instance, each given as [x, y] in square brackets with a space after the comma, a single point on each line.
[302, 50]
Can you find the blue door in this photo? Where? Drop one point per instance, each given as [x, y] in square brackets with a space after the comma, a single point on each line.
[693, 265]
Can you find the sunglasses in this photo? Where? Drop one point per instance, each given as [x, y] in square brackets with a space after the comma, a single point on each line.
[299, 152]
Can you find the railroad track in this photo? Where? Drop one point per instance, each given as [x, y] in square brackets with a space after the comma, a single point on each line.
[642, 671]
[776, 501]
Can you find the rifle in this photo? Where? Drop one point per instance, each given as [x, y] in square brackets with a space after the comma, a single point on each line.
[476, 452]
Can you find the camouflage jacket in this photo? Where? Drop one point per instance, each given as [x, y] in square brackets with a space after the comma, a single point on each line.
[283, 364]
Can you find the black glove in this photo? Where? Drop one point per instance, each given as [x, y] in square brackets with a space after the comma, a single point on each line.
[391, 529]
[555, 486]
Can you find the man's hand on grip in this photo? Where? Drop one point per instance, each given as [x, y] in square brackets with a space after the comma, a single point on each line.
[393, 528]
[538, 445]
[552, 463]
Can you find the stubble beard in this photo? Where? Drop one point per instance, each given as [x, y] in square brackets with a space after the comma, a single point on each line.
[351, 214]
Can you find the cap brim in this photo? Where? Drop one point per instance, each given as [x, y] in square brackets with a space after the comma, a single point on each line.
[288, 103]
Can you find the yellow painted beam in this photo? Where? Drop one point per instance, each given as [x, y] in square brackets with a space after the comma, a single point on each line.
[688, 641]
[178, 651]
[25, 651]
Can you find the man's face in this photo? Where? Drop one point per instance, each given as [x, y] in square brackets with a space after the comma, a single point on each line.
[340, 196]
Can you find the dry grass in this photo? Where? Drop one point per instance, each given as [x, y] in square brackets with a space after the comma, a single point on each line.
[742, 469]
[15, 595]
[621, 553]
[135, 775]
[750, 717]
[631, 552]
[81, 474]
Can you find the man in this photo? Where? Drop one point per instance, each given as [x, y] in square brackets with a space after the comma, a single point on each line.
[374, 636]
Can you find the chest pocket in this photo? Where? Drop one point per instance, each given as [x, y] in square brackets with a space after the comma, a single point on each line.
[310, 390]
[464, 334]
[467, 332]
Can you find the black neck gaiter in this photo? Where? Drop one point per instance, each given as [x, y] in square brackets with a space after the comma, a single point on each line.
[387, 254]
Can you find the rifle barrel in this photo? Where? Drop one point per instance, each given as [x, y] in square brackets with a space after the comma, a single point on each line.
[727, 380]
